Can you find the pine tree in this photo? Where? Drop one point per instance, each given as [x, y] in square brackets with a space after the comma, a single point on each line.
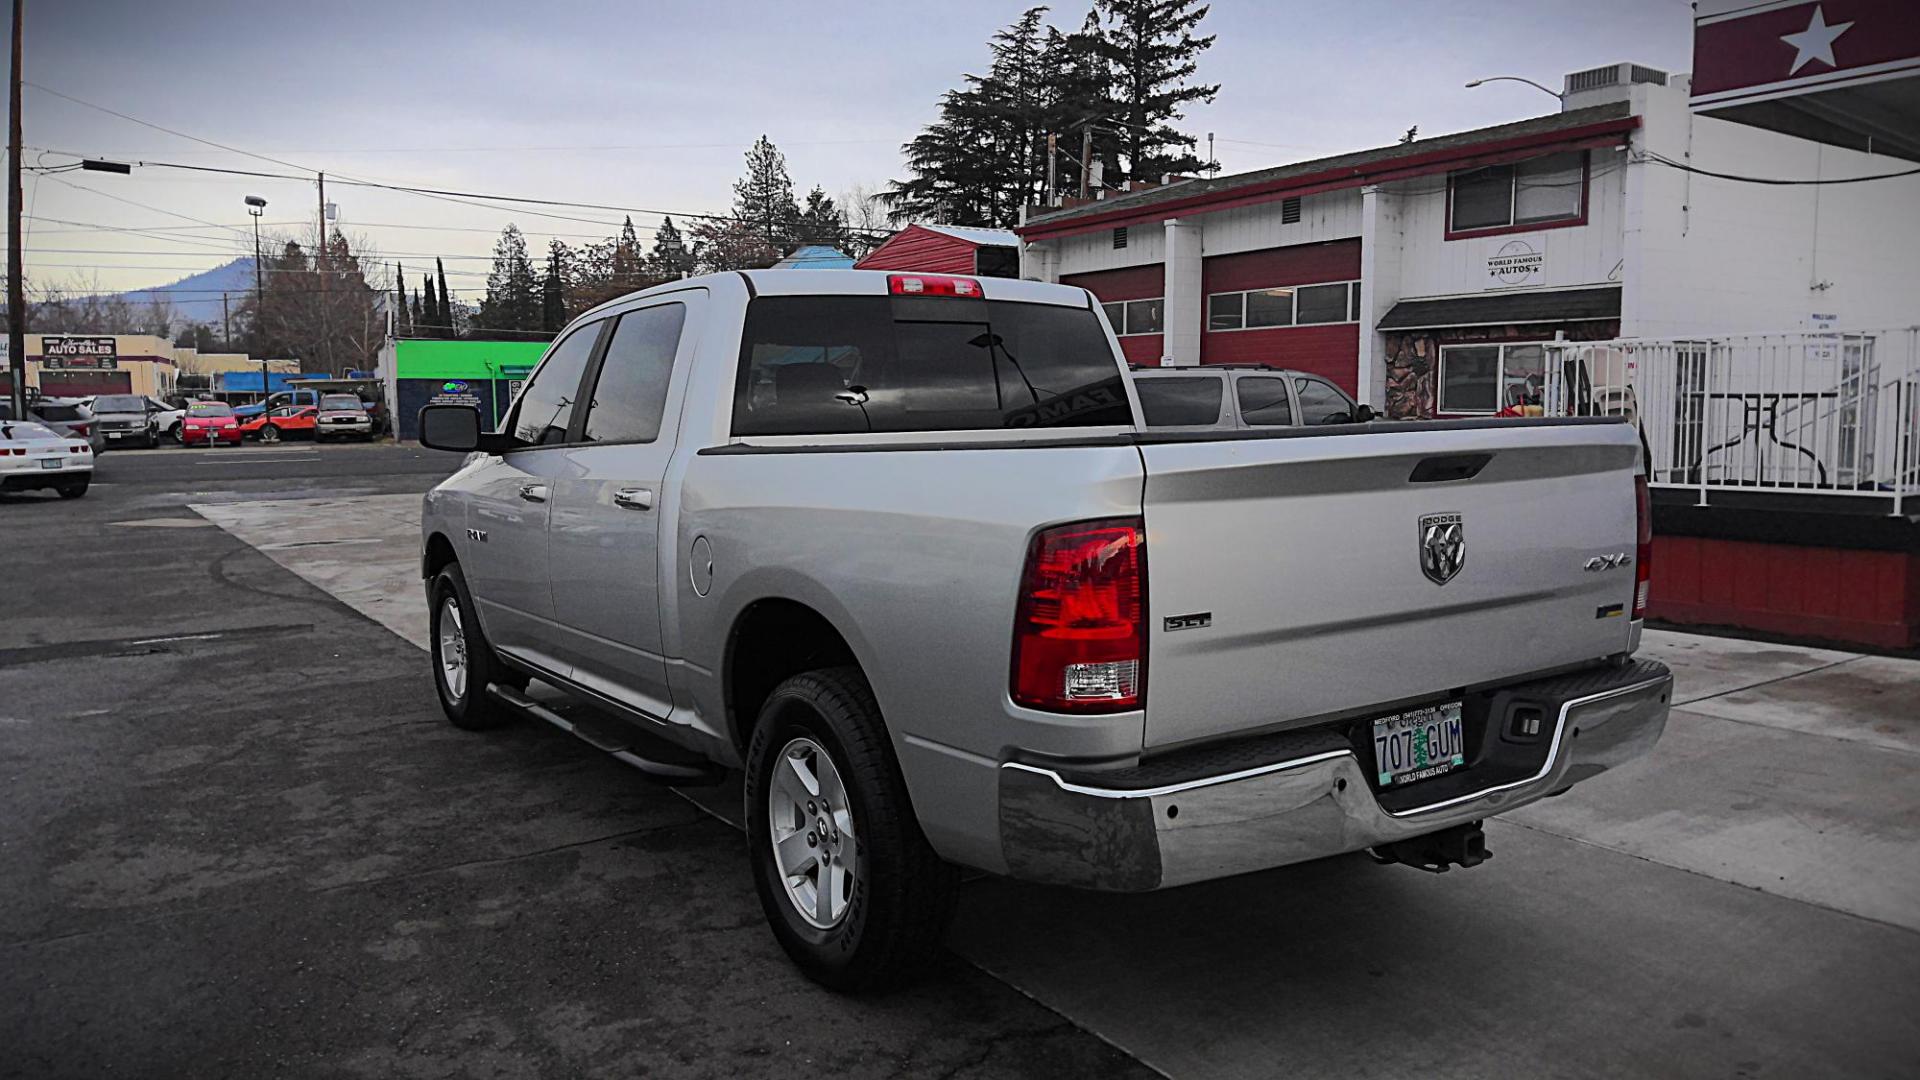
[430, 304]
[821, 222]
[1154, 55]
[554, 286]
[446, 301]
[415, 321]
[400, 326]
[669, 260]
[764, 196]
[513, 299]
[628, 270]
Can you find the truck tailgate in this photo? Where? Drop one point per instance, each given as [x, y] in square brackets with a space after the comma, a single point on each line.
[1285, 575]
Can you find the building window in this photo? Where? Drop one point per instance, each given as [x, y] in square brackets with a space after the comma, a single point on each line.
[1490, 378]
[1540, 192]
[1292, 305]
[1120, 237]
[1135, 316]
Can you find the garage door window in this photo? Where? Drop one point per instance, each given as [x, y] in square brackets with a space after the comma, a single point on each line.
[1135, 316]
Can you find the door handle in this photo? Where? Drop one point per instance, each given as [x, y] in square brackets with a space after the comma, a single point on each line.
[633, 498]
[533, 492]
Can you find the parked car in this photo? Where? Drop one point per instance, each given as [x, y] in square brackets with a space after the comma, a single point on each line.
[128, 419]
[1242, 396]
[884, 541]
[34, 456]
[342, 416]
[275, 400]
[67, 417]
[168, 418]
[210, 423]
[285, 422]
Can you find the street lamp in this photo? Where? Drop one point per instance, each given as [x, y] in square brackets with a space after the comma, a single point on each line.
[257, 206]
[1515, 78]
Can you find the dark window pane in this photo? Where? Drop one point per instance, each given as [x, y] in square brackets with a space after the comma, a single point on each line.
[1320, 304]
[1263, 401]
[1270, 307]
[546, 407]
[1523, 375]
[1116, 316]
[63, 413]
[1548, 188]
[1353, 309]
[1483, 198]
[1224, 312]
[1321, 402]
[1181, 402]
[826, 364]
[631, 392]
[1467, 378]
[1143, 316]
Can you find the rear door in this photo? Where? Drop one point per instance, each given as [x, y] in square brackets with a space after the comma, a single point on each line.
[609, 501]
[1311, 557]
[505, 554]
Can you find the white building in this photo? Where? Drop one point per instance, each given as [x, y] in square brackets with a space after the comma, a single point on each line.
[1425, 275]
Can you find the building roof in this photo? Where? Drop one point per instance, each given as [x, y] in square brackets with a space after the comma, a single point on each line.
[1341, 170]
[816, 257]
[976, 237]
[1560, 305]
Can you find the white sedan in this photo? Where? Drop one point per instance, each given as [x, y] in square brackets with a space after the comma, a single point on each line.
[34, 456]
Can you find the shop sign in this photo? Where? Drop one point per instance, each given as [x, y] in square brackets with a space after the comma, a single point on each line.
[1515, 263]
[78, 353]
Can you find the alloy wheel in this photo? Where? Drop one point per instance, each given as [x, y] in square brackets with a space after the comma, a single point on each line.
[814, 847]
[453, 649]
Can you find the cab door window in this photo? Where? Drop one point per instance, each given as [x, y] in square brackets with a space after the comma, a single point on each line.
[1321, 402]
[630, 392]
[545, 409]
[1264, 401]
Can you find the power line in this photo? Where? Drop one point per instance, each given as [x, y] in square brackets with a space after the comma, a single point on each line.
[1774, 181]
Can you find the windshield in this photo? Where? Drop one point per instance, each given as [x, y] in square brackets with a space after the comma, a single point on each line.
[210, 408]
[119, 403]
[341, 401]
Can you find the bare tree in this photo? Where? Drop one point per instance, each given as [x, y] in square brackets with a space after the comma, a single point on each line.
[867, 224]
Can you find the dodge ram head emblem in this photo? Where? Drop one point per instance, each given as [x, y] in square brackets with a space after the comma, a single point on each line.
[1443, 547]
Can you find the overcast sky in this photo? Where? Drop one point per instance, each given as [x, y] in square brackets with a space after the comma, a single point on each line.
[651, 105]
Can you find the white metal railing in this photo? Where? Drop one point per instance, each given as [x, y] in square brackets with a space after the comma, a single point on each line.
[1834, 413]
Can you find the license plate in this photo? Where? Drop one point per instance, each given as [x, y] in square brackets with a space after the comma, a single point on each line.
[52, 462]
[1418, 744]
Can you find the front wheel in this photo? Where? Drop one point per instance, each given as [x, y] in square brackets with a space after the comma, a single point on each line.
[851, 888]
[463, 662]
[178, 434]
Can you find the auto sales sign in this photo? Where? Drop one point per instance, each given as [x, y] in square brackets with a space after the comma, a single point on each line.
[88, 353]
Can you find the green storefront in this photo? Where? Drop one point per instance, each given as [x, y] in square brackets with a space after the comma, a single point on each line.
[484, 374]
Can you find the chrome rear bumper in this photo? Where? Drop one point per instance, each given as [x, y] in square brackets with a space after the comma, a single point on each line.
[1123, 832]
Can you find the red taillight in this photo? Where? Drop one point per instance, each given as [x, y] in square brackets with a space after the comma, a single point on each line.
[932, 285]
[81, 430]
[1080, 632]
[17, 451]
[1643, 546]
[82, 448]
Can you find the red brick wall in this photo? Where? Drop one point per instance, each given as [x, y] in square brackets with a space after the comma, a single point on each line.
[1865, 597]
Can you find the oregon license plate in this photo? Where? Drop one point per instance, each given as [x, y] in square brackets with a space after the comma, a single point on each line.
[1418, 744]
[52, 462]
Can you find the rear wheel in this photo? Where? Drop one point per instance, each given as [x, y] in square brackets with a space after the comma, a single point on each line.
[269, 434]
[853, 891]
[463, 662]
[73, 489]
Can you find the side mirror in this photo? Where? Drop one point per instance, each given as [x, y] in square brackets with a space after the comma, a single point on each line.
[457, 428]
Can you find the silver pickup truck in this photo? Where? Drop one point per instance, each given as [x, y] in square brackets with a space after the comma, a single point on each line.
[899, 547]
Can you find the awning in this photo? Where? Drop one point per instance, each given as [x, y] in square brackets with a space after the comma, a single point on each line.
[1500, 309]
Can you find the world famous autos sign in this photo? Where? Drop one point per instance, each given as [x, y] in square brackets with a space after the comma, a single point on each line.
[78, 353]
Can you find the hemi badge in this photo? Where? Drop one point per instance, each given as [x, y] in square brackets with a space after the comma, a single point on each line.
[1188, 622]
[1611, 611]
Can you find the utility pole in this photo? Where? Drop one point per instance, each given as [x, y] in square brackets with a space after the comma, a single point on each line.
[320, 264]
[257, 206]
[1053, 169]
[1086, 155]
[16, 283]
[226, 323]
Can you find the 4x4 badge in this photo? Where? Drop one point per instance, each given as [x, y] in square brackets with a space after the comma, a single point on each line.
[1443, 547]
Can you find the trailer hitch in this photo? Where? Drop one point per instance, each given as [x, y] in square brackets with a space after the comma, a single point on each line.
[1436, 853]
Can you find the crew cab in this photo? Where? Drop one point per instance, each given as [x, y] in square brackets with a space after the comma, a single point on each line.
[901, 547]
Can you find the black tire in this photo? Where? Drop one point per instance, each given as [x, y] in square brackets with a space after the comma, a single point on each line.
[73, 489]
[903, 893]
[471, 707]
[269, 433]
[178, 434]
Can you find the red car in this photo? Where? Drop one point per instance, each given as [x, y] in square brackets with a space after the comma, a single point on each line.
[287, 421]
[210, 423]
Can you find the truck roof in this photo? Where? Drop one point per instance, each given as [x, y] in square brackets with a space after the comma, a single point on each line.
[860, 283]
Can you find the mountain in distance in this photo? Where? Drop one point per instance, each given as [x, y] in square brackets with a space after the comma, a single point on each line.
[196, 298]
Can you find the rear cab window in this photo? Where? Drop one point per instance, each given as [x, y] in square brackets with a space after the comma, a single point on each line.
[1180, 401]
[819, 365]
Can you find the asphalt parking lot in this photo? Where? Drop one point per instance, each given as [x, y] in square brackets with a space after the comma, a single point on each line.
[237, 839]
